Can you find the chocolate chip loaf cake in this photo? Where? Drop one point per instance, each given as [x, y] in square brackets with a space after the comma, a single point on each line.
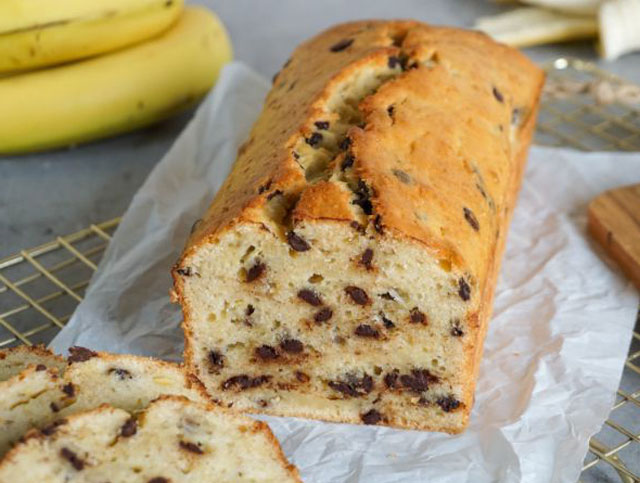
[173, 440]
[345, 270]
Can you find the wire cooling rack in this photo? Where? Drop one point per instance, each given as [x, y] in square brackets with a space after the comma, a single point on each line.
[40, 287]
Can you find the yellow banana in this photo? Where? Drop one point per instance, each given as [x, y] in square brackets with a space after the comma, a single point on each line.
[116, 92]
[38, 33]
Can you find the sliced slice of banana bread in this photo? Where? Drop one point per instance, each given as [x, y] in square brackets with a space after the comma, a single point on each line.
[38, 396]
[173, 440]
[345, 270]
[15, 360]
[30, 399]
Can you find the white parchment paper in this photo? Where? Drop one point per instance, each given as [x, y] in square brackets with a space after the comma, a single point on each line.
[553, 355]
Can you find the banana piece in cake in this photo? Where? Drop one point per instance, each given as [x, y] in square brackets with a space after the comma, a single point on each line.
[345, 270]
[173, 440]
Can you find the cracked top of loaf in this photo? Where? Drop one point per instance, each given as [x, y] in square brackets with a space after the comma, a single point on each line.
[425, 166]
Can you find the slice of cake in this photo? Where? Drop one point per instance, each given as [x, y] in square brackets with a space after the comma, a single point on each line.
[29, 399]
[345, 270]
[37, 396]
[173, 440]
[16, 359]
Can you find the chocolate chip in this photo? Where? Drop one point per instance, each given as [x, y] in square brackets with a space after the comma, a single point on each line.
[371, 417]
[255, 272]
[54, 407]
[390, 111]
[386, 296]
[80, 354]
[358, 295]
[121, 373]
[314, 139]
[323, 314]
[471, 218]
[448, 403]
[302, 377]
[497, 94]
[387, 323]
[296, 155]
[262, 403]
[366, 258]
[243, 382]
[266, 353]
[129, 428]
[69, 389]
[377, 224]
[322, 124]
[402, 176]
[417, 317]
[345, 143]
[191, 447]
[158, 479]
[353, 386]
[216, 361]
[310, 297]
[464, 291]
[347, 162]
[456, 330]
[41, 367]
[72, 458]
[52, 428]
[340, 46]
[273, 194]
[357, 226]
[292, 346]
[296, 242]
[362, 198]
[418, 381]
[185, 272]
[391, 379]
[265, 187]
[394, 62]
[249, 310]
[364, 330]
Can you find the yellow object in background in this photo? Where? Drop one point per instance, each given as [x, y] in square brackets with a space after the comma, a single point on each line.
[116, 92]
[39, 33]
[527, 26]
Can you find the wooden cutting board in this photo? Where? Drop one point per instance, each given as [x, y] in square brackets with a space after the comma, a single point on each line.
[614, 221]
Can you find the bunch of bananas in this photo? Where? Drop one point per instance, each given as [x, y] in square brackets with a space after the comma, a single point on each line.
[87, 69]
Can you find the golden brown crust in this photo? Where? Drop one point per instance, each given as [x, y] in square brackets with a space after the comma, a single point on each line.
[440, 151]
[441, 113]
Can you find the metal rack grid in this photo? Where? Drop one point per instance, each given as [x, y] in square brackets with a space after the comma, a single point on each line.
[40, 287]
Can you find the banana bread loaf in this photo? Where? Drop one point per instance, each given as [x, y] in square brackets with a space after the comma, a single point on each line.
[345, 270]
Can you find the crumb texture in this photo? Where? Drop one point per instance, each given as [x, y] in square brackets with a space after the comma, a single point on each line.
[345, 270]
[49, 388]
[173, 440]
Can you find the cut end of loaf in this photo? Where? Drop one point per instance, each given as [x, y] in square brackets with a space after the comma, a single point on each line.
[328, 325]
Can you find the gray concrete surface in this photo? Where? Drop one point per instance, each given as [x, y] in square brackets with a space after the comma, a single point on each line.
[59, 192]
